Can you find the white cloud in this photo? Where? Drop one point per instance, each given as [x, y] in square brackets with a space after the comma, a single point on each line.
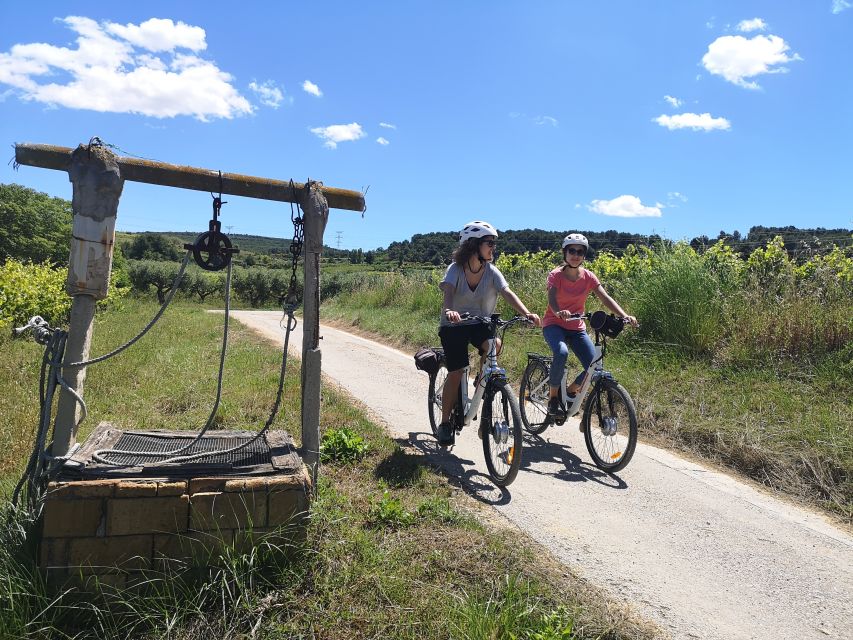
[694, 121]
[269, 94]
[756, 24]
[382, 141]
[386, 125]
[537, 120]
[546, 120]
[840, 5]
[313, 89]
[335, 133]
[159, 34]
[673, 102]
[107, 73]
[737, 59]
[625, 207]
[675, 195]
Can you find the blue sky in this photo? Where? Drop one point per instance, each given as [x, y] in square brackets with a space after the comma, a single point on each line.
[676, 118]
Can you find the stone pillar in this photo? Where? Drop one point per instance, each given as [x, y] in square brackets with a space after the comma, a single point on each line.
[316, 211]
[97, 183]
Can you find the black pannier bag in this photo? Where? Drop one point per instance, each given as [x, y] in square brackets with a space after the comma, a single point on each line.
[428, 359]
[608, 324]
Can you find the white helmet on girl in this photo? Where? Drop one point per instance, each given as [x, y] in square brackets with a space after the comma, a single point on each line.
[575, 238]
[477, 229]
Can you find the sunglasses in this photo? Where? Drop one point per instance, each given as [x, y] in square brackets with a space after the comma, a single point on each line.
[576, 252]
[490, 243]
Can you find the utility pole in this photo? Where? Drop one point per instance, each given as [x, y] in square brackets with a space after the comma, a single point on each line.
[339, 234]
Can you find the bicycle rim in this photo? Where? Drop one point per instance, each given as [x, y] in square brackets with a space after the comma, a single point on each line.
[501, 424]
[611, 426]
[534, 398]
[436, 388]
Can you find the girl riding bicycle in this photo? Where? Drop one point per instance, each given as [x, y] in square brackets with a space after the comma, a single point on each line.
[471, 285]
[568, 288]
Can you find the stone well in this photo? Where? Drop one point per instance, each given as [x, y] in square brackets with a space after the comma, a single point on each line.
[117, 522]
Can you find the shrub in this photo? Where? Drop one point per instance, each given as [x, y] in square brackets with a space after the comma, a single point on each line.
[678, 300]
[28, 290]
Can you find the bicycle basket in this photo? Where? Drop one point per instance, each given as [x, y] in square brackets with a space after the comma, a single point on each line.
[608, 324]
[428, 359]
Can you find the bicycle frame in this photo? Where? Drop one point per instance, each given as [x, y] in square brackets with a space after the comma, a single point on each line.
[470, 407]
[594, 373]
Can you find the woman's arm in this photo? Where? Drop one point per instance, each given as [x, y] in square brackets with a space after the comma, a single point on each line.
[518, 305]
[447, 305]
[613, 306]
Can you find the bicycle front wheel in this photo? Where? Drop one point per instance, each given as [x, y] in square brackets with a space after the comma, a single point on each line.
[436, 388]
[610, 426]
[500, 426]
[534, 397]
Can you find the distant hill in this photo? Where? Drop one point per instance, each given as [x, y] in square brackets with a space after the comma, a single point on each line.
[436, 247]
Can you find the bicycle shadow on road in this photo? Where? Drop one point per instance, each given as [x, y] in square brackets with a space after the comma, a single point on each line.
[540, 456]
[460, 471]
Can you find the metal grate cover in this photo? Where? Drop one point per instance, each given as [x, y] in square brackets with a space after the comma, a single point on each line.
[257, 453]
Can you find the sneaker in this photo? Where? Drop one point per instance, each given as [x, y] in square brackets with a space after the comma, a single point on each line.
[445, 435]
[554, 406]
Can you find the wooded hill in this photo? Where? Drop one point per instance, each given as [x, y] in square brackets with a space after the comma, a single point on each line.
[34, 226]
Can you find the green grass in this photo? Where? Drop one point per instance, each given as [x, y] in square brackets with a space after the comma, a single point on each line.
[392, 549]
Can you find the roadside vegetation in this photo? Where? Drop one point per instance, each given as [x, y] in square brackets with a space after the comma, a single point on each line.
[392, 549]
[748, 362]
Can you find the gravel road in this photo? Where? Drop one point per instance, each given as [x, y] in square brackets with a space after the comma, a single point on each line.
[701, 553]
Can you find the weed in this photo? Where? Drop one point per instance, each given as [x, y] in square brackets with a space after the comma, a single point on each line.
[342, 446]
[390, 512]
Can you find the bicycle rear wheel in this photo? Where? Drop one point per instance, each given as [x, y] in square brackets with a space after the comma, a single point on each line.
[610, 422]
[534, 397]
[501, 429]
[436, 388]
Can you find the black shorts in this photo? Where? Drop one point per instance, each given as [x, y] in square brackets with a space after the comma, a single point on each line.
[455, 340]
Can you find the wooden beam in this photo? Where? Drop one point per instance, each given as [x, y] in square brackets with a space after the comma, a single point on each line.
[170, 175]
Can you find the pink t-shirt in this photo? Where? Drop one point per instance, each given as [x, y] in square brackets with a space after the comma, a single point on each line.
[571, 296]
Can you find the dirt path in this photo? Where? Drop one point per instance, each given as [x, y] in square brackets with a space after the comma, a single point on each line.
[703, 554]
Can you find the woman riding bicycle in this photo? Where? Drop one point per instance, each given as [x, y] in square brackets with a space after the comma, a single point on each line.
[471, 285]
[568, 288]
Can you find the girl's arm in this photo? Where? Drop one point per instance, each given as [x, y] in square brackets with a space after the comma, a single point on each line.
[613, 306]
[447, 305]
[563, 314]
[518, 305]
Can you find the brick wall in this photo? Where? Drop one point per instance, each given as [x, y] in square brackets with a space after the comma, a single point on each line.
[113, 528]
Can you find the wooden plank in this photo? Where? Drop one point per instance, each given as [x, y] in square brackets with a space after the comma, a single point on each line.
[183, 177]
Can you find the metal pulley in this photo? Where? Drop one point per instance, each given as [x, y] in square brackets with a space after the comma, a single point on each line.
[212, 249]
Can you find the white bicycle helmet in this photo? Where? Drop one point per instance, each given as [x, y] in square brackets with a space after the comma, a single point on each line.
[575, 238]
[477, 229]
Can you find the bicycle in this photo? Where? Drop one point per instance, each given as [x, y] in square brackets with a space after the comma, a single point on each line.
[500, 425]
[609, 420]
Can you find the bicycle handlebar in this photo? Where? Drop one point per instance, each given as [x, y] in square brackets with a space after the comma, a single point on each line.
[496, 319]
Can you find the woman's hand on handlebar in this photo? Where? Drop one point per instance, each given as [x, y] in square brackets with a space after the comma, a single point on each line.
[452, 315]
[565, 314]
[534, 318]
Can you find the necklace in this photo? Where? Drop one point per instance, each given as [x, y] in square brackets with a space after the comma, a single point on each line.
[470, 270]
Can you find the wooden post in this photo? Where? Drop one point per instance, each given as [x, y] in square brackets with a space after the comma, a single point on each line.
[316, 213]
[97, 184]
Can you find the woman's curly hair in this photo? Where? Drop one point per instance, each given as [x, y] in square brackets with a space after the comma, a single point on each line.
[464, 251]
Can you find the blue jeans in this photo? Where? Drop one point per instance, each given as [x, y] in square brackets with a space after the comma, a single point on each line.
[560, 340]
